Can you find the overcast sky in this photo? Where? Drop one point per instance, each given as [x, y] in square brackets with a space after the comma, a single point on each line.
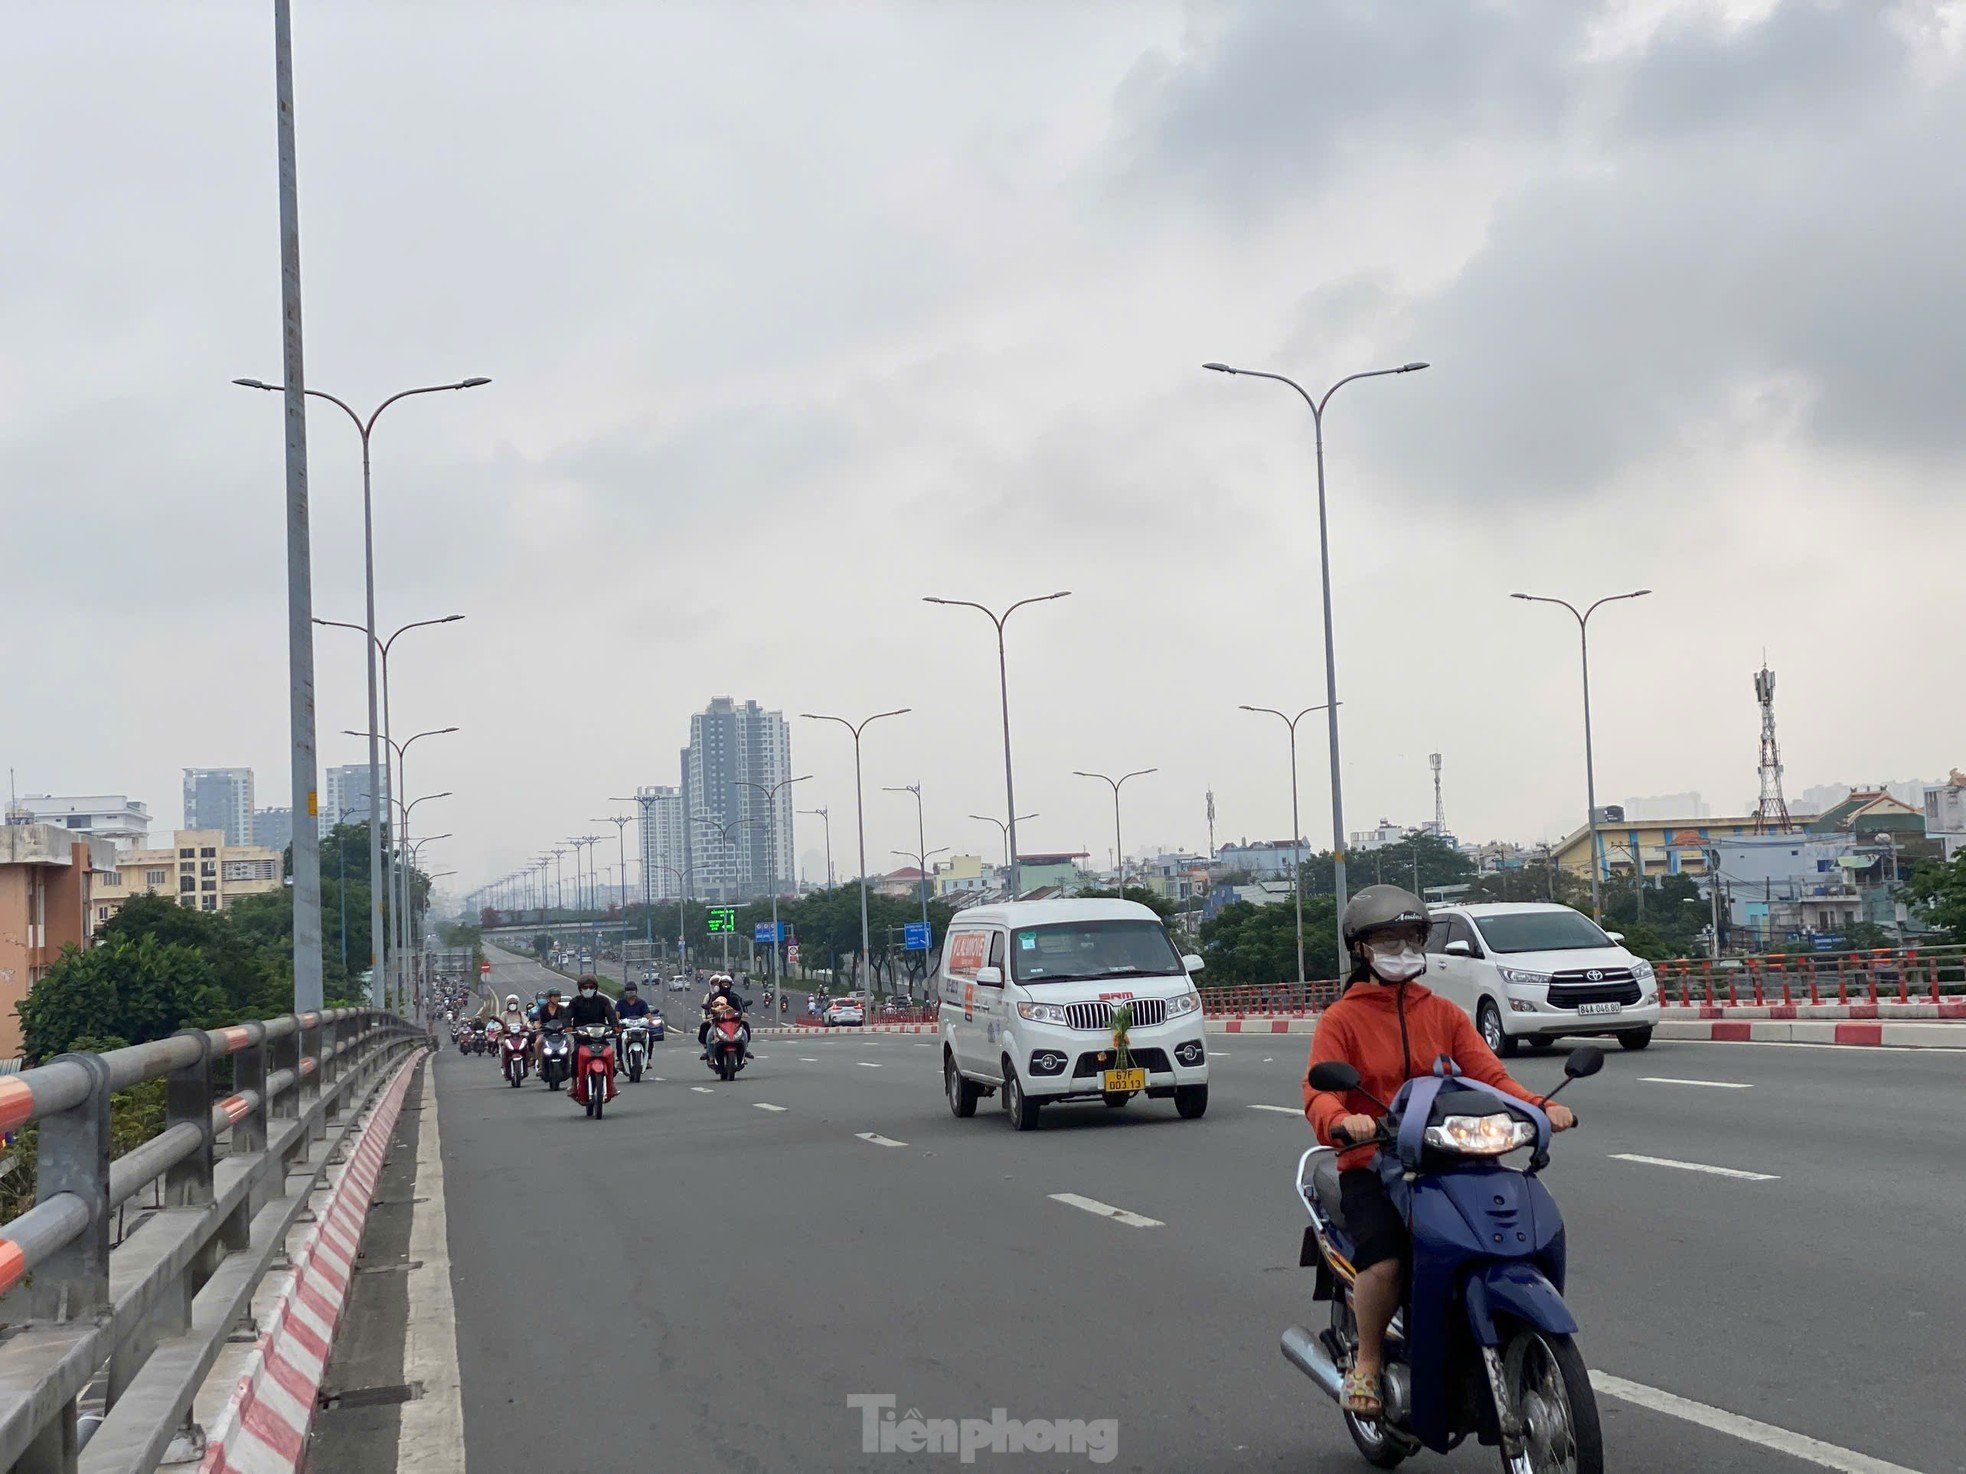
[796, 313]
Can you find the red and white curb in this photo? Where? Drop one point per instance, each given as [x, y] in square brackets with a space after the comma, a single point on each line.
[1944, 1008]
[848, 1031]
[1913, 1034]
[263, 1429]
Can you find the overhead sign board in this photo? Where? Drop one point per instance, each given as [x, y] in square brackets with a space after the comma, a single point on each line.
[767, 932]
[915, 936]
[721, 918]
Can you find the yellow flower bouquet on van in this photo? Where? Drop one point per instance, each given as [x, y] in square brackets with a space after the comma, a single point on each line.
[1122, 1024]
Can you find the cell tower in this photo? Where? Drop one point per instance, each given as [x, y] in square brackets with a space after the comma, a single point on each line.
[1440, 808]
[1771, 816]
[1211, 823]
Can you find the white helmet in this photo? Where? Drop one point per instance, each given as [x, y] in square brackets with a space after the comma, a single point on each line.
[511, 1000]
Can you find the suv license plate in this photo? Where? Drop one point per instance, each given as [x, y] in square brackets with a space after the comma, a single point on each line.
[1117, 1080]
[1600, 1008]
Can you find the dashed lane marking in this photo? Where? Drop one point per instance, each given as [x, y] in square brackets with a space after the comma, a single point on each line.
[866, 1064]
[1710, 1084]
[1767, 1435]
[1286, 1110]
[703, 1090]
[1106, 1210]
[760, 1105]
[874, 1138]
[1695, 1167]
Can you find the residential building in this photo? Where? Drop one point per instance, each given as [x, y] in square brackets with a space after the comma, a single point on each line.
[1173, 877]
[902, 884]
[220, 798]
[1249, 892]
[1059, 870]
[111, 816]
[48, 885]
[1384, 833]
[1263, 859]
[962, 874]
[273, 829]
[1654, 846]
[1785, 887]
[663, 842]
[1870, 811]
[1945, 813]
[740, 846]
[200, 869]
[345, 796]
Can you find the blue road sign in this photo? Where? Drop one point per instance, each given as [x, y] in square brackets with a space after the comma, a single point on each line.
[915, 936]
[763, 934]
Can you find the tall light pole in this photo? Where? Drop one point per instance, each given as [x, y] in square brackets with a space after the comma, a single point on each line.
[723, 832]
[771, 792]
[1296, 826]
[826, 818]
[860, 809]
[402, 869]
[1005, 828]
[399, 748]
[1117, 784]
[1330, 650]
[1003, 687]
[642, 802]
[682, 907]
[921, 848]
[921, 859]
[1595, 843]
[620, 823]
[366, 429]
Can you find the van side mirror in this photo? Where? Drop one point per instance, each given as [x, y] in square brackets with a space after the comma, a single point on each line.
[1193, 962]
[1333, 1075]
[989, 977]
[1460, 949]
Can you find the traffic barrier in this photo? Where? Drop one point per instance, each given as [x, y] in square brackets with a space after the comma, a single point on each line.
[253, 1114]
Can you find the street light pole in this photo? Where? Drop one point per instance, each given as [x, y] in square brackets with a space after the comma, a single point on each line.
[921, 842]
[1330, 649]
[399, 749]
[826, 817]
[771, 793]
[1005, 830]
[365, 429]
[1296, 827]
[1117, 784]
[860, 814]
[1593, 840]
[620, 823]
[1003, 686]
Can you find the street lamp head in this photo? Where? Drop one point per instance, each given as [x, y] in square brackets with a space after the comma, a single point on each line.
[1522, 596]
[1220, 368]
[251, 384]
[1414, 367]
[472, 383]
[1638, 593]
[450, 619]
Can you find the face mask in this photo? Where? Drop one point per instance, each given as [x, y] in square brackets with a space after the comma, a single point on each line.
[1396, 962]
[587, 992]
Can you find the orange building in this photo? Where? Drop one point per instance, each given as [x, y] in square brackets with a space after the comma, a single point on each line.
[47, 882]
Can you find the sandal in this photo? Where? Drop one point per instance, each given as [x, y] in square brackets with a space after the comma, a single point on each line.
[1360, 1395]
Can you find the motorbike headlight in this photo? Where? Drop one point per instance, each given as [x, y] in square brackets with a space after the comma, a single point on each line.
[1189, 1002]
[1521, 977]
[1042, 1013]
[1480, 1136]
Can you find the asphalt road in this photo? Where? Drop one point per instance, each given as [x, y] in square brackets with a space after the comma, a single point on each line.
[625, 1297]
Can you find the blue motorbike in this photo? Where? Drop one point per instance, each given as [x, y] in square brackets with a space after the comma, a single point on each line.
[1482, 1344]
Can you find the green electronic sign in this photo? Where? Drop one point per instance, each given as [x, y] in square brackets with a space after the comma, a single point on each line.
[722, 918]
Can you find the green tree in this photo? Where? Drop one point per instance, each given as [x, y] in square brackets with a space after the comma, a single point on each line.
[1246, 945]
[120, 992]
[1418, 861]
[1538, 881]
[1937, 892]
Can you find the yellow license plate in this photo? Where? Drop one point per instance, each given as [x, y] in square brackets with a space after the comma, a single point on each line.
[1117, 1080]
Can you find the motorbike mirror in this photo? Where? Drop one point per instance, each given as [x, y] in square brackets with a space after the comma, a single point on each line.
[1333, 1075]
[1583, 1062]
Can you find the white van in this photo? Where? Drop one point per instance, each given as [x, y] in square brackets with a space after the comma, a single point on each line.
[1536, 972]
[1026, 997]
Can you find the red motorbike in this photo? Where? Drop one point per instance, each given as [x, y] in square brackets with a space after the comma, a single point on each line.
[727, 1046]
[517, 1049]
[593, 1067]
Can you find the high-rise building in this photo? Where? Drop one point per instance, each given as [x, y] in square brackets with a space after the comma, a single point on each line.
[273, 829]
[735, 754]
[345, 797]
[111, 816]
[663, 837]
[220, 798]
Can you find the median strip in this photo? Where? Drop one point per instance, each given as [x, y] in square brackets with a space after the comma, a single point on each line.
[1106, 1210]
[1695, 1167]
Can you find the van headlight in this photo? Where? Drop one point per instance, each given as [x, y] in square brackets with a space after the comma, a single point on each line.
[1042, 1013]
[1189, 1002]
[1480, 1136]
[1518, 977]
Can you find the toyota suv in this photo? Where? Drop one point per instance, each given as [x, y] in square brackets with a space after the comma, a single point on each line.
[1534, 973]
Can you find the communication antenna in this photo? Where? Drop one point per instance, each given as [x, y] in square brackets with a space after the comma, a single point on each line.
[1440, 809]
[1771, 815]
[1211, 823]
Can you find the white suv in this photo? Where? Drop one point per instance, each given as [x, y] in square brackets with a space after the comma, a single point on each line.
[1538, 972]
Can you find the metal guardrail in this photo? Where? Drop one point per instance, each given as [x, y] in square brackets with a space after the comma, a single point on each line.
[105, 1348]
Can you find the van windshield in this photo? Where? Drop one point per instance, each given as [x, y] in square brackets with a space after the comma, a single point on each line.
[1075, 951]
[1541, 931]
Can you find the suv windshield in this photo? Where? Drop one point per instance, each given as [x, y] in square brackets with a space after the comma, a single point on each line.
[1073, 951]
[1541, 931]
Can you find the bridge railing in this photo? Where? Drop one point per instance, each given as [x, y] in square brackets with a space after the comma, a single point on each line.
[106, 1344]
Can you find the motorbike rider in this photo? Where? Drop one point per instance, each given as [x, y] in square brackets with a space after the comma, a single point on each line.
[722, 999]
[549, 1008]
[632, 1004]
[1391, 1029]
[590, 1006]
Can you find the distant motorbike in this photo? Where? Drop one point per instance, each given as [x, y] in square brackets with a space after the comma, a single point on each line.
[1482, 1343]
[480, 1042]
[727, 1046]
[634, 1047]
[555, 1054]
[594, 1067]
[517, 1050]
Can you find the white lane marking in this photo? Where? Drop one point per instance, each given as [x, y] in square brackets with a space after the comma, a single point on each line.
[805, 1061]
[1287, 1110]
[758, 1105]
[1797, 1445]
[431, 1434]
[1106, 1210]
[1695, 1167]
[703, 1090]
[1710, 1084]
[660, 1079]
[865, 1065]
[876, 1139]
[1269, 1059]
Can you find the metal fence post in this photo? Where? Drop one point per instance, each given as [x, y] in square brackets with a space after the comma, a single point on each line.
[310, 1080]
[249, 1131]
[188, 1098]
[73, 1282]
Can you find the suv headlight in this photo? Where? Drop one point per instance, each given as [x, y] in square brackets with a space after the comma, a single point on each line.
[1519, 977]
[1042, 1013]
[1189, 1002]
[1642, 970]
[1480, 1136]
